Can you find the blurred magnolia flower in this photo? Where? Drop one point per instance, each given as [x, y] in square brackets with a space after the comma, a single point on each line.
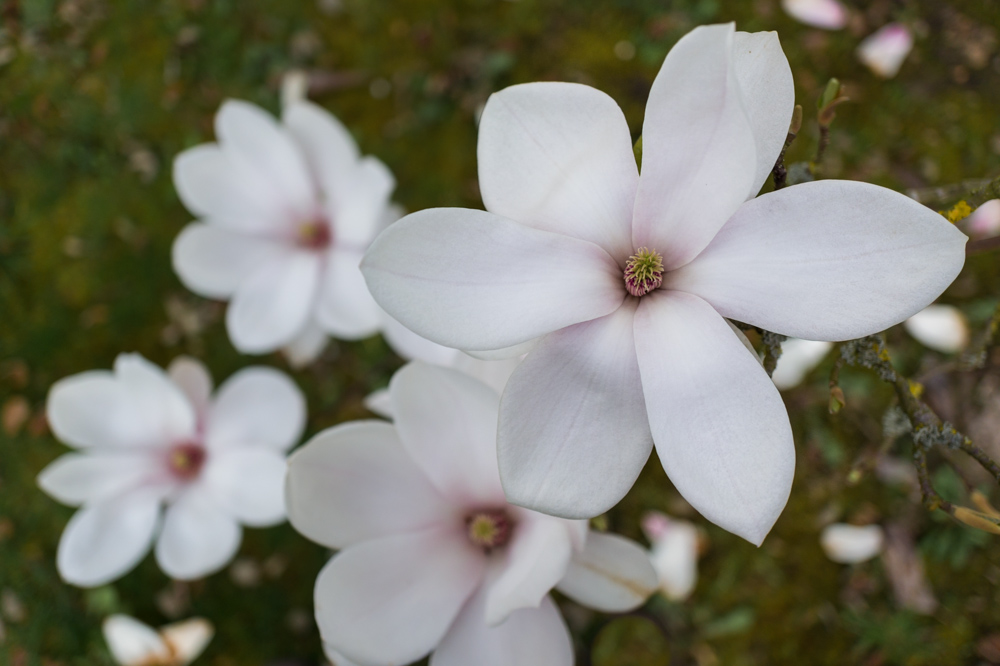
[985, 220]
[674, 554]
[884, 51]
[147, 439]
[133, 643]
[940, 327]
[850, 544]
[826, 14]
[287, 210]
[798, 358]
[628, 280]
[432, 556]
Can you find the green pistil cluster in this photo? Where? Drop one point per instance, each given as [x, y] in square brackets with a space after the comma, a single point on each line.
[643, 272]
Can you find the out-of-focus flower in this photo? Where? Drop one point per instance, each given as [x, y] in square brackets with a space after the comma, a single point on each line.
[674, 553]
[433, 558]
[286, 211]
[941, 327]
[798, 358]
[133, 643]
[850, 544]
[628, 280]
[826, 14]
[147, 439]
[985, 220]
[884, 51]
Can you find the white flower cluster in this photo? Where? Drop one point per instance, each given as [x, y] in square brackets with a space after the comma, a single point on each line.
[608, 293]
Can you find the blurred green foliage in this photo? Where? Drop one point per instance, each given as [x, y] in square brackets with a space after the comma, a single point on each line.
[96, 97]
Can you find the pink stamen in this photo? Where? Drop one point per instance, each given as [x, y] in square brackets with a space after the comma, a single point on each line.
[186, 460]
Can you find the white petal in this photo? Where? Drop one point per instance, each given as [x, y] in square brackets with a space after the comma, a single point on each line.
[529, 637]
[198, 536]
[768, 95]
[360, 204]
[133, 643]
[391, 600]
[612, 574]
[534, 561]
[849, 544]
[157, 400]
[826, 14]
[573, 433]
[192, 377]
[674, 555]
[256, 406]
[985, 220]
[505, 353]
[355, 482]
[798, 358]
[380, 402]
[719, 424]
[940, 327]
[336, 658]
[213, 261]
[558, 156]
[251, 136]
[447, 422]
[105, 540]
[699, 159]
[412, 347]
[188, 639]
[346, 310]
[326, 144]
[76, 478]
[249, 484]
[494, 374]
[828, 260]
[471, 280]
[307, 345]
[274, 304]
[884, 51]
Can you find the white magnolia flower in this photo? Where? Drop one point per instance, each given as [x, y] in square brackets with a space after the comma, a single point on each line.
[985, 220]
[432, 557]
[826, 14]
[133, 643]
[627, 280]
[148, 439]
[850, 544]
[287, 210]
[941, 327]
[884, 51]
[674, 554]
[798, 358]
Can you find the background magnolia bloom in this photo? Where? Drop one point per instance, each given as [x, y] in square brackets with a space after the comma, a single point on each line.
[286, 209]
[884, 51]
[147, 439]
[674, 554]
[850, 544]
[133, 643]
[941, 327]
[432, 556]
[826, 14]
[985, 220]
[628, 280]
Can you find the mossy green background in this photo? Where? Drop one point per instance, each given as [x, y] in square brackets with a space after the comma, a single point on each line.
[97, 97]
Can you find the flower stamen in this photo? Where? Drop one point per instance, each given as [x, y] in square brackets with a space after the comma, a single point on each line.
[186, 460]
[643, 272]
[314, 235]
[488, 529]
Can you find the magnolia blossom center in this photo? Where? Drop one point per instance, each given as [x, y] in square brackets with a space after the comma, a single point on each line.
[314, 235]
[488, 529]
[643, 272]
[186, 460]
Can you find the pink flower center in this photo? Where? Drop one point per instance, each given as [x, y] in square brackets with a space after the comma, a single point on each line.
[489, 529]
[315, 234]
[643, 272]
[186, 460]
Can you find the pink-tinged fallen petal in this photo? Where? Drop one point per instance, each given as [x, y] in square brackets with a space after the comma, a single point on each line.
[133, 643]
[447, 422]
[472, 280]
[765, 80]
[798, 358]
[535, 560]
[345, 309]
[826, 14]
[674, 555]
[392, 600]
[884, 51]
[558, 156]
[904, 565]
[188, 639]
[828, 260]
[850, 544]
[156, 400]
[361, 204]
[307, 346]
[355, 482]
[941, 327]
[574, 433]
[720, 427]
[79, 478]
[103, 541]
[612, 574]
[327, 145]
[213, 261]
[529, 637]
[257, 406]
[192, 377]
[248, 484]
[699, 157]
[985, 220]
[274, 303]
[198, 538]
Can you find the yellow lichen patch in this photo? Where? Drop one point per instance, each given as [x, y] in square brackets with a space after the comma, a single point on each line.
[958, 212]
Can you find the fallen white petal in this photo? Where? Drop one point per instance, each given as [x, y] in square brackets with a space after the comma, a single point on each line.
[798, 358]
[940, 327]
[674, 554]
[849, 544]
[133, 643]
[884, 51]
[188, 639]
[826, 14]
